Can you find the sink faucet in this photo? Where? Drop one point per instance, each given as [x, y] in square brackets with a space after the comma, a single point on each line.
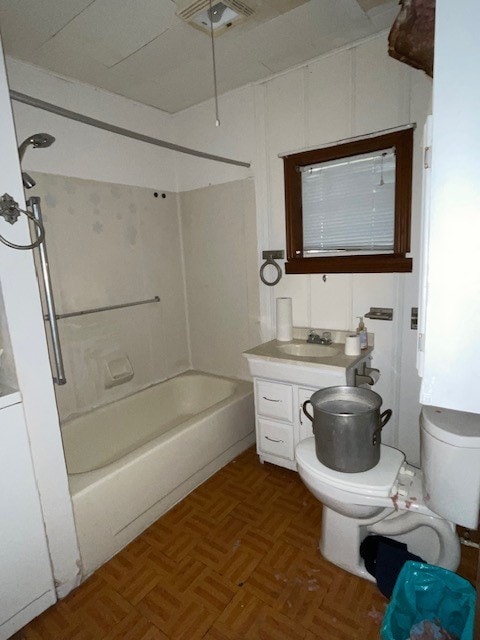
[325, 338]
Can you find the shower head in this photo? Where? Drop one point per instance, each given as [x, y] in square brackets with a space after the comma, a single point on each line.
[38, 140]
[28, 181]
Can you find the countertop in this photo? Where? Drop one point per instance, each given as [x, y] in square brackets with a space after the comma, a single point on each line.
[270, 351]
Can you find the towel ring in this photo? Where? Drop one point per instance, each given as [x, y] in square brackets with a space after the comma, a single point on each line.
[270, 257]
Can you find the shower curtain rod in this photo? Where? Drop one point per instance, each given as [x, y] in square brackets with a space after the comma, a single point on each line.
[73, 115]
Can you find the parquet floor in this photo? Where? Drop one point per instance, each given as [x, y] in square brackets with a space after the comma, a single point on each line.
[236, 560]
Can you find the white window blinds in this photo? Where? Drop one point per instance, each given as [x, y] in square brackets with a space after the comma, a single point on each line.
[348, 205]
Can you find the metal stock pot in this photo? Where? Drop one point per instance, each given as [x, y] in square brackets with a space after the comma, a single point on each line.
[347, 426]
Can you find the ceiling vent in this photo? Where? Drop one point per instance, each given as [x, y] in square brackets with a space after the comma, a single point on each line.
[222, 15]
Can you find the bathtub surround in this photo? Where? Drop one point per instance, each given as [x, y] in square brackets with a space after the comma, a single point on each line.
[131, 461]
[220, 252]
[111, 244]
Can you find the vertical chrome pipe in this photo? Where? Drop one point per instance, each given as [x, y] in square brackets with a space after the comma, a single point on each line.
[34, 203]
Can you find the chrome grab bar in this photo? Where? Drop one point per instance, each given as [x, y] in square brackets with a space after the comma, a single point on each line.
[34, 203]
[98, 309]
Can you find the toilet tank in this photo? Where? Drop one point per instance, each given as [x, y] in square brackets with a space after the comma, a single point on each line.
[450, 454]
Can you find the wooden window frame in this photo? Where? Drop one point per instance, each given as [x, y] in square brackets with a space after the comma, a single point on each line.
[397, 261]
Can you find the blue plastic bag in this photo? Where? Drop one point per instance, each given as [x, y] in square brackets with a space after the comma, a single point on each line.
[427, 592]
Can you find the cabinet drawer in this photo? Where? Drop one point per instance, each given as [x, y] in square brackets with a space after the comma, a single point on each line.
[275, 438]
[274, 400]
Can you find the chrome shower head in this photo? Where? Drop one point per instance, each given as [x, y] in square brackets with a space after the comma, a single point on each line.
[38, 140]
[28, 181]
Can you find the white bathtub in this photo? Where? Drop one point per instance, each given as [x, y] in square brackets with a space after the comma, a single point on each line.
[132, 460]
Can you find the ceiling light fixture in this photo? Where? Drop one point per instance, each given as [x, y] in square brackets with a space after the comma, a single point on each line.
[216, 12]
[213, 17]
[216, 16]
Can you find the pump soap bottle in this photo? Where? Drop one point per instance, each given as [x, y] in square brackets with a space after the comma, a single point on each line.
[362, 332]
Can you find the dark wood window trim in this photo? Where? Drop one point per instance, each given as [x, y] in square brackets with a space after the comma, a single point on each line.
[397, 261]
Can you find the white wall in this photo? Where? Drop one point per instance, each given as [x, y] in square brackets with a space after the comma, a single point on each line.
[350, 92]
[234, 138]
[86, 152]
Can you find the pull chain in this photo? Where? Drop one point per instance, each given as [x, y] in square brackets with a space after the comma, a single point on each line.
[217, 118]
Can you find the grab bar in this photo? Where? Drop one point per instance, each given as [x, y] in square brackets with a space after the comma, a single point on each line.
[34, 203]
[98, 309]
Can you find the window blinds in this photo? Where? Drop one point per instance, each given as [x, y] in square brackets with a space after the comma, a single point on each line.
[348, 205]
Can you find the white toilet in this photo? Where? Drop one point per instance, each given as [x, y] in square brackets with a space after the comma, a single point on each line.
[397, 500]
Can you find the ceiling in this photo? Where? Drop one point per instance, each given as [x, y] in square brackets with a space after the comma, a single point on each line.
[141, 50]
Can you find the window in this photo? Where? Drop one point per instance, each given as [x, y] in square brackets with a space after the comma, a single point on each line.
[348, 206]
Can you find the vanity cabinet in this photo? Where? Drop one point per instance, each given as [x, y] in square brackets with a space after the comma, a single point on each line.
[285, 375]
[280, 422]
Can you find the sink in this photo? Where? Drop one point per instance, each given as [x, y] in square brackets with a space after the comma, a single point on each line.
[308, 350]
[305, 363]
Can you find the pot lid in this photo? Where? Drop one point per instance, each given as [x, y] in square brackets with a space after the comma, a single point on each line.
[377, 481]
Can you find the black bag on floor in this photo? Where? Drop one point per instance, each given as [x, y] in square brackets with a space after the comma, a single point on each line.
[384, 559]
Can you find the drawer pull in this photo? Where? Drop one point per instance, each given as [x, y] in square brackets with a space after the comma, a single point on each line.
[272, 440]
[271, 399]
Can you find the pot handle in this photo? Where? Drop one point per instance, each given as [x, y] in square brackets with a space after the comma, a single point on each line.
[384, 418]
[304, 406]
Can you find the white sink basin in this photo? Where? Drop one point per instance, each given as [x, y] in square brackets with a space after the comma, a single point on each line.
[305, 363]
[308, 350]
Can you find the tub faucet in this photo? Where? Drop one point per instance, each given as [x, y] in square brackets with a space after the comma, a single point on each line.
[325, 338]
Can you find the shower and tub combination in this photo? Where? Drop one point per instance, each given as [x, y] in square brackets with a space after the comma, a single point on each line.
[131, 460]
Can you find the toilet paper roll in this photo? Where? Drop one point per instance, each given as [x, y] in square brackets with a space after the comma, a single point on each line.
[284, 319]
[375, 376]
[352, 345]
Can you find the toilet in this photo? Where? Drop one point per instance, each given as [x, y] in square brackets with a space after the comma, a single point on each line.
[419, 507]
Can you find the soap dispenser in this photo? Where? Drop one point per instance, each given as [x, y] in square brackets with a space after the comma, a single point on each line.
[362, 332]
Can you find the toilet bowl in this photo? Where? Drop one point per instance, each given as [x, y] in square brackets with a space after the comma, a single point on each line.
[386, 500]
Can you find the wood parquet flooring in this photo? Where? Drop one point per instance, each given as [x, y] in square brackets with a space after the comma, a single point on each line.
[235, 560]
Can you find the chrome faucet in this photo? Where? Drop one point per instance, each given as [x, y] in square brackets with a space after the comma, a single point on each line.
[325, 338]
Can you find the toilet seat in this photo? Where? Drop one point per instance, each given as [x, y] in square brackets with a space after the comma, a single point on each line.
[378, 481]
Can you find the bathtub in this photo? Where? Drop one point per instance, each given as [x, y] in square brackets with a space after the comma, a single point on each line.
[131, 461]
